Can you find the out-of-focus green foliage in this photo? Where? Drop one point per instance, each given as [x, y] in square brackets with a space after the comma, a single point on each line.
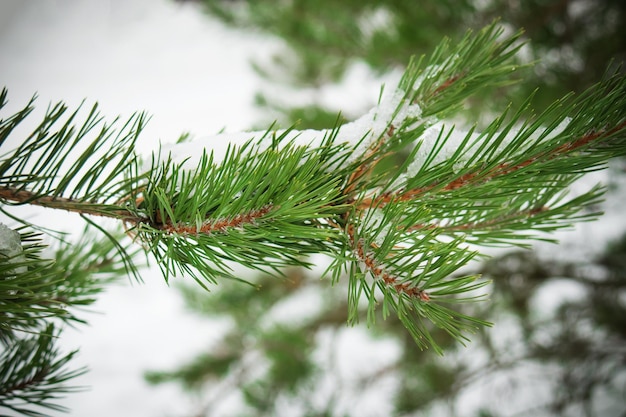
[575, 40]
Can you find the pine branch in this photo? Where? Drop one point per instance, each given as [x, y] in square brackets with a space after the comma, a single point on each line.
[33, 375]
[283, 195]
[263, 209]
[35, 294]
[59, 166]
[35, 287]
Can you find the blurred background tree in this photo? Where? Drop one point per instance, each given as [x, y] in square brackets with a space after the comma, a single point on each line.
[574, 39]
[567, 359]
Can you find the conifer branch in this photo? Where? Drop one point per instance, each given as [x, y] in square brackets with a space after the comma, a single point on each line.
[282, 195]
[33, 375]
[37, 294]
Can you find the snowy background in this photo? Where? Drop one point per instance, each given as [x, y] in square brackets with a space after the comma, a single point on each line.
[192, 75]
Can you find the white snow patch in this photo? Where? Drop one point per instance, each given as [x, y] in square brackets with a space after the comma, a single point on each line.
[394, 109]
[297, 308]
[11, 247]
[378, 20]
[554, 293]
[447, 142]
[377, 224]
[453, 141]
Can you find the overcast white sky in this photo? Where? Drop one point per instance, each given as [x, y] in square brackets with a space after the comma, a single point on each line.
[186, 70]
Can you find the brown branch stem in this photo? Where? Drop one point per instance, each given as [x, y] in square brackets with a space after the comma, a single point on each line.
[378, 271]
[111, 211]
[62, 203]
[216, 225]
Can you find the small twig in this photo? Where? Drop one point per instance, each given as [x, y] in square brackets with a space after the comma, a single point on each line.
[62, 203]
[378, 271]
[216, 225]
